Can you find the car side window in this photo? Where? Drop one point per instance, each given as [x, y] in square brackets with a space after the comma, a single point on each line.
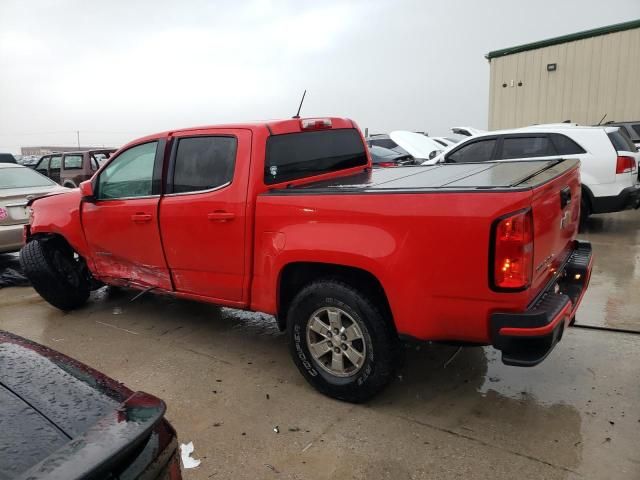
[43, 165]
[478, 151]
[130, 174]
[565, 146]
[72, 162]
[55, 162]
[94, 164]
[203, 163]
[526, 147]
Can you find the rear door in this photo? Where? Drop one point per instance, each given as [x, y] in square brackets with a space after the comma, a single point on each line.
[121, 225]
[203, 215]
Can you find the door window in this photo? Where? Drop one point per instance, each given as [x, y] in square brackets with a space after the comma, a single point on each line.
[526, 147]
[203, 163]
[72, 162]
[43, 166]
[480, 151]
[55, 163]
[130, 174]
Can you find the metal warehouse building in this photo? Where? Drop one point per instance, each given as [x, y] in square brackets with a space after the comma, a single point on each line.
[579, 77]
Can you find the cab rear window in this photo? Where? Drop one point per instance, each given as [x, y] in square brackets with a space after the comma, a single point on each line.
[299, 155]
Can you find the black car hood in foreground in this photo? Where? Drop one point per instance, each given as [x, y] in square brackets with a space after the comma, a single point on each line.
[60, 419]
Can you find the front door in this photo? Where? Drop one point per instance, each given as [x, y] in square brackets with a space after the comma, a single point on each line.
[121, 225]
[203, 213]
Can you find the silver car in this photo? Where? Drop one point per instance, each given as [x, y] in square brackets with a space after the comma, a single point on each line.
[18, 184]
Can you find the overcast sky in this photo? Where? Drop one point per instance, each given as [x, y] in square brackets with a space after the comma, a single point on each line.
[116, 70]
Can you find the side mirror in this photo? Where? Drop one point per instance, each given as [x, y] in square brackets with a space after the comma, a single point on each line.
[86, 189]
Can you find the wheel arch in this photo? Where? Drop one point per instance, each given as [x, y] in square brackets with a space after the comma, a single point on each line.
[294, 276]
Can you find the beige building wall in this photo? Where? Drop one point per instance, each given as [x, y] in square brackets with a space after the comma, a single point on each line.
[595, 76]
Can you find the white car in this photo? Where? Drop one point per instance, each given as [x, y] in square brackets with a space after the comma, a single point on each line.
[609, 160]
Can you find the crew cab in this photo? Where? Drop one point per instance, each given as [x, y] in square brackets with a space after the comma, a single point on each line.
[288, 218]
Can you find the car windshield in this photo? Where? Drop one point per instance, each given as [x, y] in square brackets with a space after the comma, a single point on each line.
[21, 177]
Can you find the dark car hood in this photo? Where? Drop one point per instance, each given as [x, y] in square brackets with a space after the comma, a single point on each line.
[56, 411]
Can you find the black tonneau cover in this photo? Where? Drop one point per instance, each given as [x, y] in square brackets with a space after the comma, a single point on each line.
[510, 175]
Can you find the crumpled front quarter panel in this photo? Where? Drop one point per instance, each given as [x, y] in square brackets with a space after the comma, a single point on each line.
[60, 214]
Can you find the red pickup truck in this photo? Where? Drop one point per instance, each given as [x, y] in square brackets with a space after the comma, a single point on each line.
[288, 217]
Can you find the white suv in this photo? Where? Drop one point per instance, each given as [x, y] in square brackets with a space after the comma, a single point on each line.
[609, 160]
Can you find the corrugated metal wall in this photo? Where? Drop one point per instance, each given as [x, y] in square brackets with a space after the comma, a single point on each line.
[594, 76]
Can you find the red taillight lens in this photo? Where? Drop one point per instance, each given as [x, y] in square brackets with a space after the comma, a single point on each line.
[315, 123]
[625, 164]
[513, 254]
[386, 164]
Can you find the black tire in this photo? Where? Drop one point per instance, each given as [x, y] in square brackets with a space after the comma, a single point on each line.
[585, 210]
[382, 344]
[55, 273]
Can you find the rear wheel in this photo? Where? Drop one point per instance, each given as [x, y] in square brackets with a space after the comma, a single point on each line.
[340, 341]
[56, 273]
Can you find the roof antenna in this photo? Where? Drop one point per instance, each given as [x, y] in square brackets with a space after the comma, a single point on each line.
[297, 115]
[602, 119]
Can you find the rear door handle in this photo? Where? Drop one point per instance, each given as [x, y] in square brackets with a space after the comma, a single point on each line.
[141, 217]
[221, 216]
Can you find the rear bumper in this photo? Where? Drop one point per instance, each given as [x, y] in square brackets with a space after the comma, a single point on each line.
[627, 198]
[11, 238]
[526, 338]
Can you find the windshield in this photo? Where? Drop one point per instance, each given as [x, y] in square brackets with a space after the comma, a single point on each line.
[20, 177]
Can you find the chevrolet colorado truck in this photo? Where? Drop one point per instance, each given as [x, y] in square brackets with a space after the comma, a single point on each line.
[288, 218]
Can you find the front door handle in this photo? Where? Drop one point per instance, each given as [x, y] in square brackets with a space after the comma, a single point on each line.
[141, 217]
[221, 216]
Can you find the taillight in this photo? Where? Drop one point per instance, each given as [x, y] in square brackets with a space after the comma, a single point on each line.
[625, 164]
[513, 251]
[315, 123]
[386, 164]
[4, 214]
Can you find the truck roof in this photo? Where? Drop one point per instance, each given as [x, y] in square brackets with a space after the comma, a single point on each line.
[275, 127]
[494, 176]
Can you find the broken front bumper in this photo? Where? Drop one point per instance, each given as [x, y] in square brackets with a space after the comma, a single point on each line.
[526, 338]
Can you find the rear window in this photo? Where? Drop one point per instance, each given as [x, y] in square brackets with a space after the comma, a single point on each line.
[636, 129]
[300, 155]
[22, 177]
[203, 163]
[383, 142]
[526, 147]
[621, 142]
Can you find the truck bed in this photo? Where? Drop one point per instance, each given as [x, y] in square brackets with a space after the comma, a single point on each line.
[494, 176]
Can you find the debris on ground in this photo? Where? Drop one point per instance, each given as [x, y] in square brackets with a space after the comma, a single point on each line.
[116, 311]
[272, 468]
[186, 449]
[294, 429]
[276, 429]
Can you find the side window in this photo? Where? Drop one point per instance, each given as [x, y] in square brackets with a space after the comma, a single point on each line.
[55, 162]
[636, 128]
[130, 174]
[621, 142]
[565, 146]
[479, 151]
[43, 165]
[72, 162]
[203, 163]
[526, 147]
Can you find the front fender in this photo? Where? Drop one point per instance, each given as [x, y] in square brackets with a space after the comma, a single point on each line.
[60, 215]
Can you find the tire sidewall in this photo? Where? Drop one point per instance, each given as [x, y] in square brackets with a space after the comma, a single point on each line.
[374, 372]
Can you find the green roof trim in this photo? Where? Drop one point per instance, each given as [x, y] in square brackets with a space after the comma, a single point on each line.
[572, 37]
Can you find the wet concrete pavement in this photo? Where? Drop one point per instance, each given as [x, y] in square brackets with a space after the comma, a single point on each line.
[228, 381]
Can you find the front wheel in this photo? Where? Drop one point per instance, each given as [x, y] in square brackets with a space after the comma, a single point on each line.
[340, 341]
[56, 273]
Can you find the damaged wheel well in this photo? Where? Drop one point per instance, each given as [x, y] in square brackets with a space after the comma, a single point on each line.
[296, 276]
